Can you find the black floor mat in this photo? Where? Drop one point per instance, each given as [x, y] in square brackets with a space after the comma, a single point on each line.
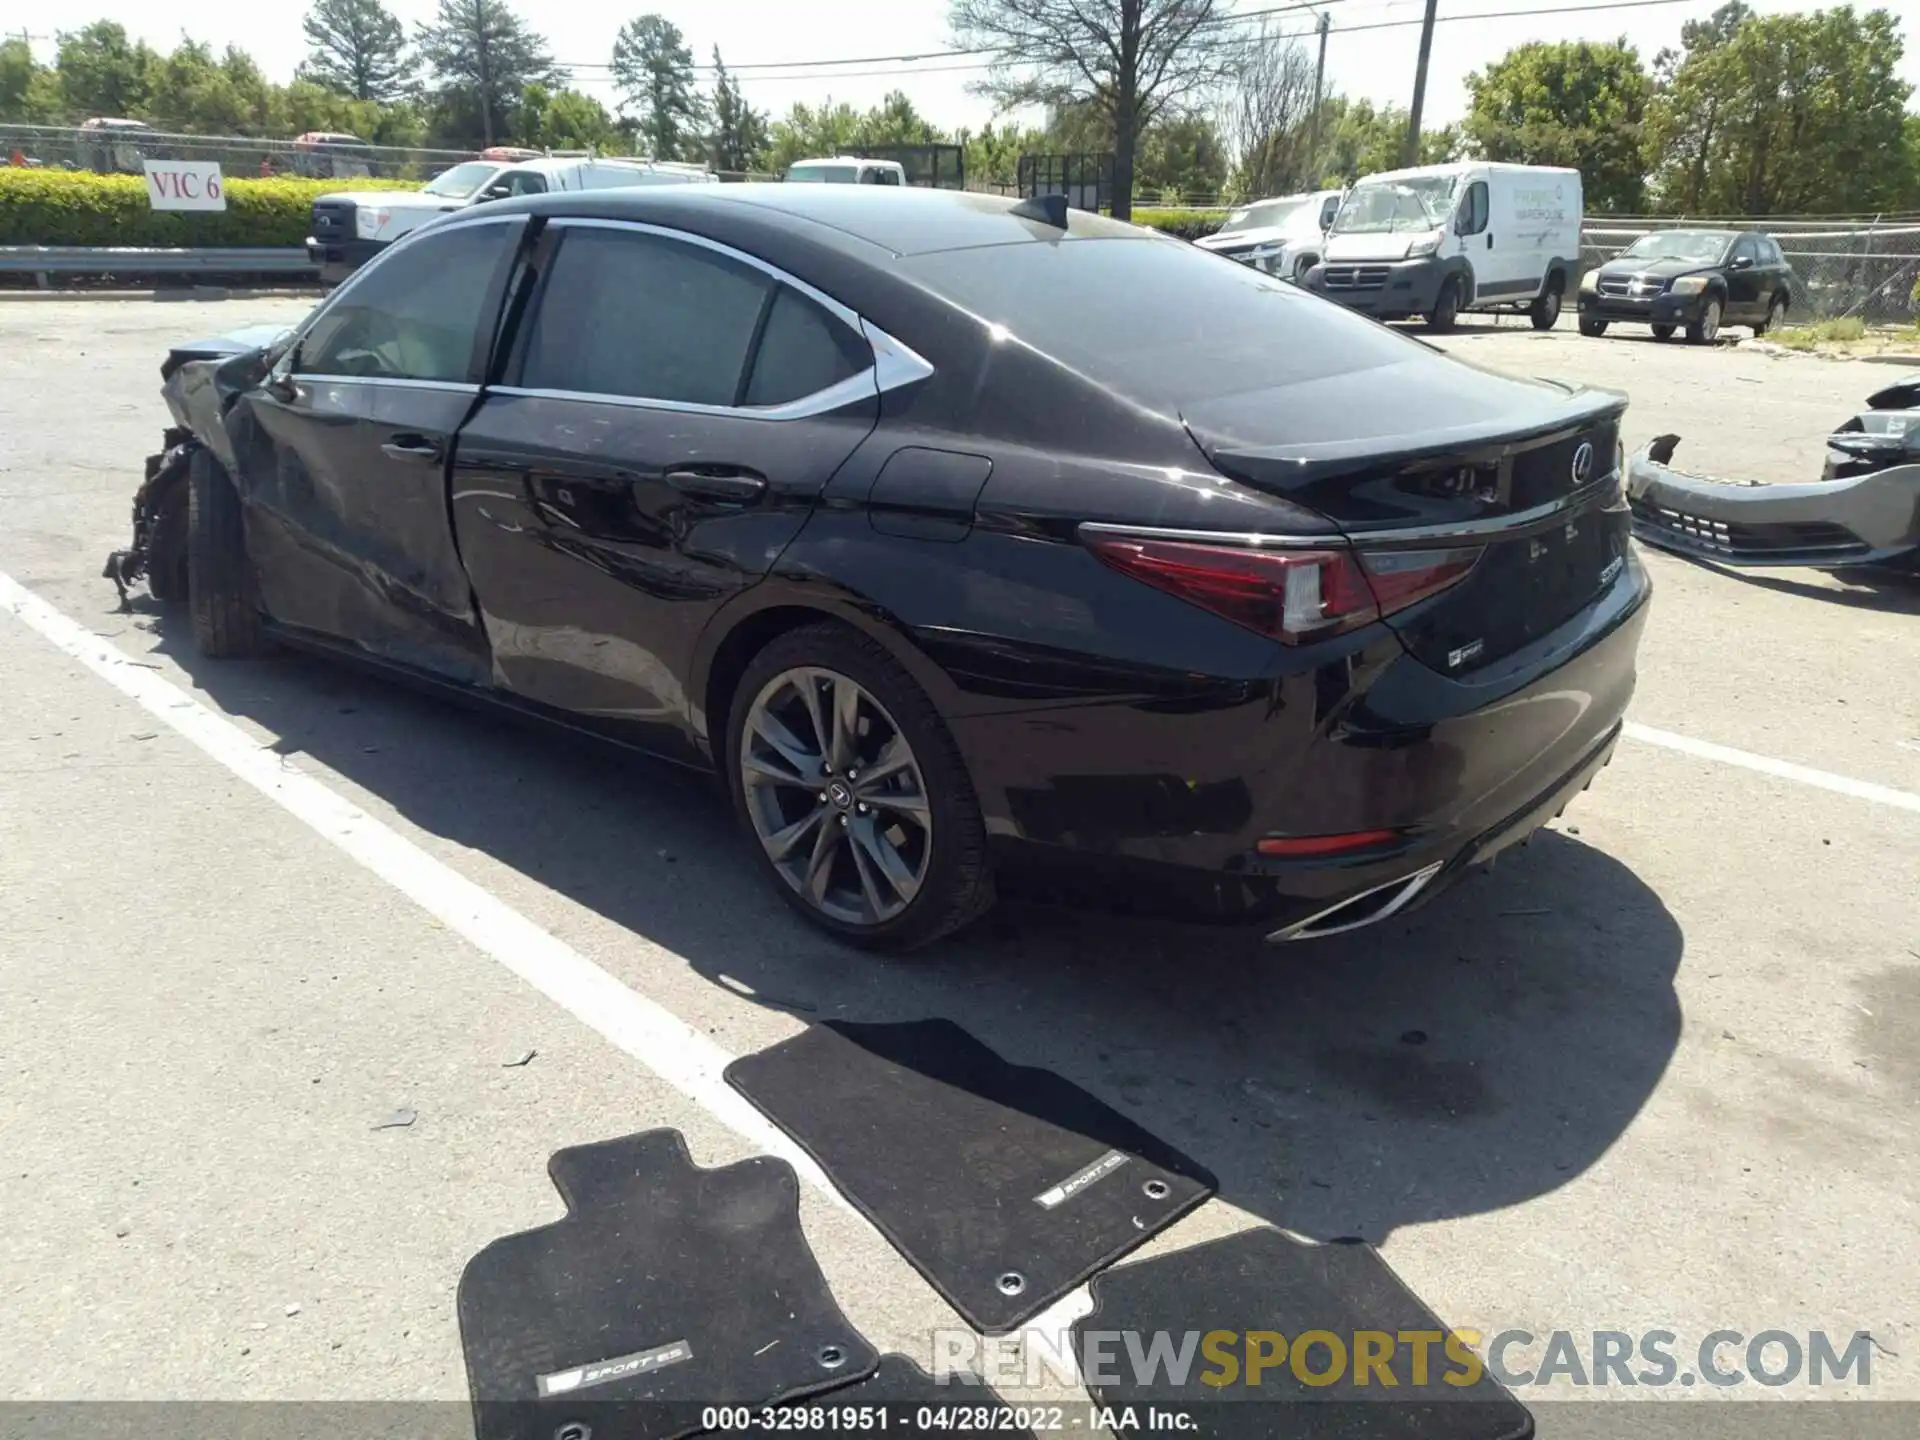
[1005, 1187]
[1263, 1281]
[666, 1289]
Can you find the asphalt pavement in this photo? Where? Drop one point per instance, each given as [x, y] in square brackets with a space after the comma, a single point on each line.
[1657, 1071]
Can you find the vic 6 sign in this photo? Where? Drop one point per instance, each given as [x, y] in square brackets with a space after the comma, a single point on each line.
[185, 185]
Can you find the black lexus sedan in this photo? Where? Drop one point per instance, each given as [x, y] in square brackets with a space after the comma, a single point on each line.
[1698, 280]
[958, 537]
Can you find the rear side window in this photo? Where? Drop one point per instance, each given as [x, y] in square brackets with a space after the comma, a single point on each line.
[803, 350]
[1328, 211]
[413, 314]
[631, 314]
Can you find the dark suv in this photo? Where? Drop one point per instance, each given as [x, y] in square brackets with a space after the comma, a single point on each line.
[1699, 279]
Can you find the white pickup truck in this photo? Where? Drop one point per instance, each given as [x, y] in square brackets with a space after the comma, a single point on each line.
[350, 228]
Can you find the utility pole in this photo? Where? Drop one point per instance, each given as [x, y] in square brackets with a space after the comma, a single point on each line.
[1313, 126]
[1412, 152]
[486, 74]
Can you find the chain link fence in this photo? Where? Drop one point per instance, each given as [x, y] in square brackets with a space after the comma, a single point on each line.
[1864, 267]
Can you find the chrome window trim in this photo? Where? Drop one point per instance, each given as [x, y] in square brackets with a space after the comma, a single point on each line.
[314, 380]
[821, 402]
[895, 364]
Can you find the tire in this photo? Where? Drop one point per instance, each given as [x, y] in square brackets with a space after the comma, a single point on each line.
[226, 620]
[1545, 310]
[1776, 317]
[1302, 266]
[1662, 332]
[167, 546]
[835, 884]
[1704, 330]
[1446, 306]
[1592, 327]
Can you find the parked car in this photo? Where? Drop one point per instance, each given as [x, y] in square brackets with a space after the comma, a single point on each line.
[349, 229]
[1696, 279]
[875, 503]
[329, 155]
[1440, 239]
[110, 145]
[847, 170]
[1283, 236]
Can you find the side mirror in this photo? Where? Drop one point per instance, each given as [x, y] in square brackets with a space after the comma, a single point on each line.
[1741, 262]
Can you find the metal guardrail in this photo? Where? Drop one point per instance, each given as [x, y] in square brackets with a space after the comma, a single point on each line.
[45, 261]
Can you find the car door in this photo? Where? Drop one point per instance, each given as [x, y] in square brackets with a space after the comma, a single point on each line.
[1776, 278]
[343, 452]
[1745, 302]
[1471, 223]
[669, 413]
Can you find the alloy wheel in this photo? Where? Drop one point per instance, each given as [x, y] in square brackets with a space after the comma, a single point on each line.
[836, 796]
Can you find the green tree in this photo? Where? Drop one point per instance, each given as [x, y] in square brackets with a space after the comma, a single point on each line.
[653, 70]
[993, 156]
[1130, 60]
[894, 121]
[563, 120]
[357, 48]
[1783, 114]
[737, 138]
[482, 57]
[1575, 103]
[17, 71]
[1182, 157]
[807, 131]
[102, 72]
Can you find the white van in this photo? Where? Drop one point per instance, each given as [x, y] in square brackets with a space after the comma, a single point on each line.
[847, 170]
[1445, 238]
[1282, 236]
[350, 228]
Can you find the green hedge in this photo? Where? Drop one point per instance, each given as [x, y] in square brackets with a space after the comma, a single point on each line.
[76, 207]
[1187, 224]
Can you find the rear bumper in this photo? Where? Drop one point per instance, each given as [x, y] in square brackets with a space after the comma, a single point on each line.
[1459, 767]
[1662, 309]
[1863, 521]
[1394, 291]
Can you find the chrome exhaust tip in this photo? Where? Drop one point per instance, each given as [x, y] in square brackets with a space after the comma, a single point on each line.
[1369, 907]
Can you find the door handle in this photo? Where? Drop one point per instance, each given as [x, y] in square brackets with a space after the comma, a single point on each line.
[410, 447]
[1489, 240]
[739, 487]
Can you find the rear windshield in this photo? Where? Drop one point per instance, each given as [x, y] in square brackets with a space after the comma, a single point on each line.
[1159, 320]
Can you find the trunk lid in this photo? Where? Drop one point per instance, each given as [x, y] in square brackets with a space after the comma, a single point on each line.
[1432, 454]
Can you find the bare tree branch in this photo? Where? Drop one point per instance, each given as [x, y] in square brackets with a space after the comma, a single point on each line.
[1266, 116]
[1130, 59]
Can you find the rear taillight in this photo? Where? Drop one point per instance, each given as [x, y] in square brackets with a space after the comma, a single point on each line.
[1295, 596]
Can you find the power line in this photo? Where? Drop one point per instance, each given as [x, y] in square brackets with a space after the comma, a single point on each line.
[808, 69]
[1235, 18]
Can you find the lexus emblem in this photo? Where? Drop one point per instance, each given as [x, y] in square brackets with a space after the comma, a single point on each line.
[1583, 464]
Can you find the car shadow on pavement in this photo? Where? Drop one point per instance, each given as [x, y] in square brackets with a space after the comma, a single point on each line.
[1892, 591]
[1479, 1053]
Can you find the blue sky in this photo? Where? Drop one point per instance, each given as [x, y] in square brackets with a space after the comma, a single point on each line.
[1377, 64]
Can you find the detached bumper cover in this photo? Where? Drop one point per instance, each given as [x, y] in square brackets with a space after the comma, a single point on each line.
[1866, 520]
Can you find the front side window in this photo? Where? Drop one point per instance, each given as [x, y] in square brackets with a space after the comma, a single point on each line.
[1745, 249]
[514, 183]
[412, 314]
[638, 315]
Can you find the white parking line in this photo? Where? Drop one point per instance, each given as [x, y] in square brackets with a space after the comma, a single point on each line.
[680, 1055]
[1767, 765]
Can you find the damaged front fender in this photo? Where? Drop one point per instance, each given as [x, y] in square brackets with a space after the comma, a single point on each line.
[1866, 513]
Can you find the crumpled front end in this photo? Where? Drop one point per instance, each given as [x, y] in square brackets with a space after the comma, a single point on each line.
[199, 381]
[1865, 511]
